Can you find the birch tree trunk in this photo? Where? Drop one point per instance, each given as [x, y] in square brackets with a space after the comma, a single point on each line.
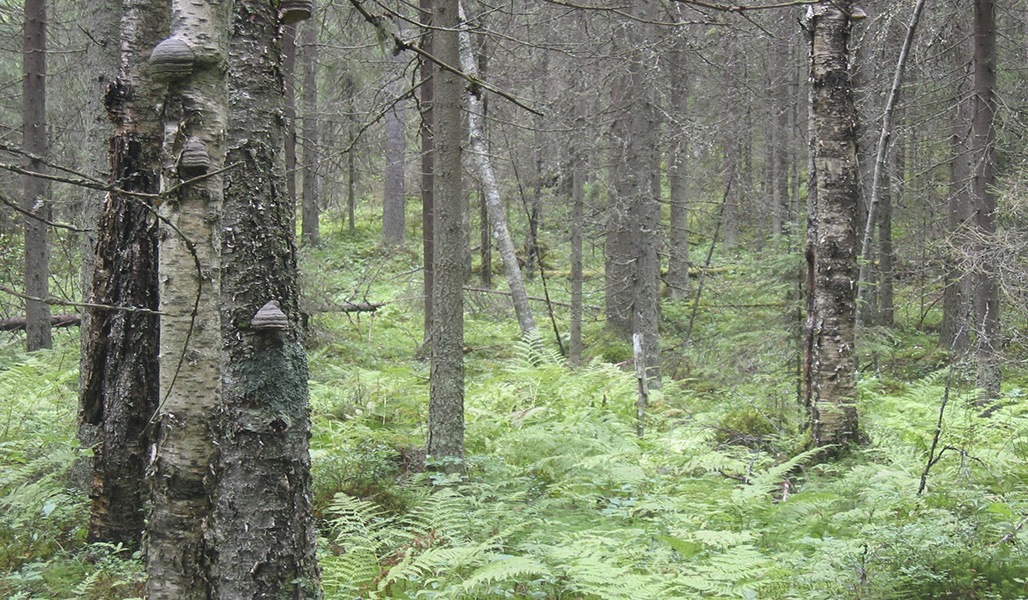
[833, 252]
[480, 151]
[178, 556]
[261, 528]
[34, 202]
[119, 369]
[446, 401]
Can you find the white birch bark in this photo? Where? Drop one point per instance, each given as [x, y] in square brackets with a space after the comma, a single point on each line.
[491, 190]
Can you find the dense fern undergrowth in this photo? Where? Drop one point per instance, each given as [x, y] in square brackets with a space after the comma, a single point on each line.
[560, 499]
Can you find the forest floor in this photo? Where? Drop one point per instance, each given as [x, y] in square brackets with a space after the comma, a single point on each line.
[560, 497]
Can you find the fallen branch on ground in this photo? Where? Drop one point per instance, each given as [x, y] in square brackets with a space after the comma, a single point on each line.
[18, 323]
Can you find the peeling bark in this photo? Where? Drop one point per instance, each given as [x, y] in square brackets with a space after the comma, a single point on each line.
[832, 255]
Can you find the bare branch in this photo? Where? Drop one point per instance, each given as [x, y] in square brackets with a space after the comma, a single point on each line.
[401, 44]
[59, 302]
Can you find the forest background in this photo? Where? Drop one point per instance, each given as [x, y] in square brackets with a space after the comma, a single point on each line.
[572, 488]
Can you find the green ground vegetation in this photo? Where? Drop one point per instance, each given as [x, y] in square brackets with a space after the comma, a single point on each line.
[560, 499]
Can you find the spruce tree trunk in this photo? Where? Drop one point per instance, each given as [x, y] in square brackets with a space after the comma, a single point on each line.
[261, 528]
[34, 201]
[311, 134]
[178, 555]
[678, 179]
[446, 402]
[633, 265]
[956, 301]
[833, 251]
[395, 200]
[578, 170]
[990, 370]
[119, 369]
[491, 191]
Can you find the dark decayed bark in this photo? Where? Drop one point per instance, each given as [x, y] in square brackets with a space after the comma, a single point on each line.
[118, 394]
[833, 247]
[261, 530]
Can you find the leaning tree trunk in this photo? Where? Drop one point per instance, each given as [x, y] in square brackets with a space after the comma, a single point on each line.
[261, 526]
[178, 556]
[833, 251]
[480, 150]
[119, 369]
[446, 402]
[880, 167]
[34, 203]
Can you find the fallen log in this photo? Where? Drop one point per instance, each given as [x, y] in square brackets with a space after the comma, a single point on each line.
[18, 323]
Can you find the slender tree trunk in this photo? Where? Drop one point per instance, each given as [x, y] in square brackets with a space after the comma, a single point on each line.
[427, 165]
[446, 402]
[119, 369]
[261, 527]
[311, 134]
[956, 300]
[678, 179]
[578, 170]
[289, 105]
[983, 184]
[177, 553]
[395, 200]
[349, 90]
[480, 150]
[37, 245]
[880, 167]
[833, 254]
[485, 226]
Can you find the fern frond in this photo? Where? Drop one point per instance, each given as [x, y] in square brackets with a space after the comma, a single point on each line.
[503, 568]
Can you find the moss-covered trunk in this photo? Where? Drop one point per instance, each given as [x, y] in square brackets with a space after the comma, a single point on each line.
[261, 528]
